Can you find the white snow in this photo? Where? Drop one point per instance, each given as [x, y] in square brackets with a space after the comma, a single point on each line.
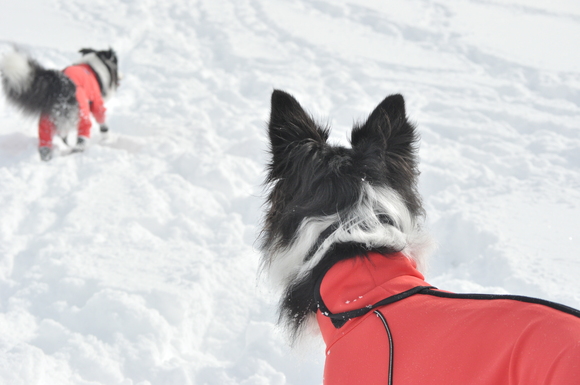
[135, 262]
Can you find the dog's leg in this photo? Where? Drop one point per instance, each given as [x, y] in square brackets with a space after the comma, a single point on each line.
[84, 124]
[46, 131]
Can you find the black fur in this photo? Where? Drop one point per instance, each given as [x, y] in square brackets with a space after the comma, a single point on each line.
[388, 139]
[49, 91]
[310, 178]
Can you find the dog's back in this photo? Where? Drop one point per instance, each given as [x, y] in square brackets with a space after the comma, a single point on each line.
[437, 337]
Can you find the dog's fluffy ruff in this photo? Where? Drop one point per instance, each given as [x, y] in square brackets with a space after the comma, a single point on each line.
[103, 72]
[287, 265]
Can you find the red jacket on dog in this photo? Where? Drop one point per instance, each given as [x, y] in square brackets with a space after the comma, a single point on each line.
[440, 338]
[88, 95]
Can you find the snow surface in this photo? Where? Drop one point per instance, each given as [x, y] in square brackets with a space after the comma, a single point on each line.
[135, 262]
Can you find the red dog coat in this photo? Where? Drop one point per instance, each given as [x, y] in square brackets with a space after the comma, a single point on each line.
[440, 338]
[88, 95]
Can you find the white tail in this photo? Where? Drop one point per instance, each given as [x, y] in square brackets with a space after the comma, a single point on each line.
[16, 71]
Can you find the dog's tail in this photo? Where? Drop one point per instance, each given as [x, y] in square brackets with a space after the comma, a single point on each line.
[31, 87]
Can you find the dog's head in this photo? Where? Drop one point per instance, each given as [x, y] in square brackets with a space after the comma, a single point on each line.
[324, 197]
[106, 66]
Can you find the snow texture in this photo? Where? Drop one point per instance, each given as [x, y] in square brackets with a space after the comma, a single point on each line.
[134, 263]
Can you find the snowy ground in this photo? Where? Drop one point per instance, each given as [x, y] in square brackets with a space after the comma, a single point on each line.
[134, 263]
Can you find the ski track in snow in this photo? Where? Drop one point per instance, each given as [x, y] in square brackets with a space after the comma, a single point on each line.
[134, 263]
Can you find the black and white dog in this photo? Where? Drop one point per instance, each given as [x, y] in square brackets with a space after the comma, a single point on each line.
[328, 203]
[64, 100]
[343, 239]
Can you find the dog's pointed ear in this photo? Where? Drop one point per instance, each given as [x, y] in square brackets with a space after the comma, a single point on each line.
[110, 55]
[387, 127]
[84, 51]
[289, 123]
[290, 126]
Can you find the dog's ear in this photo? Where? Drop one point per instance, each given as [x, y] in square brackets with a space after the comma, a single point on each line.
[84, 51]
[109, 55]
[387, 127]
[291, 126]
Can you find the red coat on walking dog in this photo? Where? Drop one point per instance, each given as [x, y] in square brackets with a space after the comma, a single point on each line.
[89, 100]
[343, 237]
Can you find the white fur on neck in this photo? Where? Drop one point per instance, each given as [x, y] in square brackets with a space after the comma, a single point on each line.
[360, 225]
[16, 71]
[284, 262]
[102, 72]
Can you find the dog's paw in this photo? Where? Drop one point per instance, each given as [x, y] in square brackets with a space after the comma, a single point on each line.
[81, 144]
[45, 153]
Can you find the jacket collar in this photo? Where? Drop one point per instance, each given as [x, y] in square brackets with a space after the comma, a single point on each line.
[352, 288]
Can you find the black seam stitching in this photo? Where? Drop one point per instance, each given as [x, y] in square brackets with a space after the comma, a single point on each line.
[519, 298]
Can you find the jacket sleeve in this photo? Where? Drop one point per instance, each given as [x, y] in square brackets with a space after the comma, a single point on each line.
[98, 109]
[360, 356]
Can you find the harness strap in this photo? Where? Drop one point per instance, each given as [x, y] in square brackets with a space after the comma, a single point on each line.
[391, 345]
